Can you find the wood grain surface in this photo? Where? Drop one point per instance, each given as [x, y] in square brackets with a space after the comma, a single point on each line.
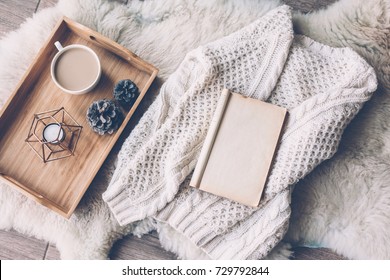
[146, 248]
[14, 12]
[15, 246]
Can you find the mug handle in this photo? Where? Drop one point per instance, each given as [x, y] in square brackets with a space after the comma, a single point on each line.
[58, 46]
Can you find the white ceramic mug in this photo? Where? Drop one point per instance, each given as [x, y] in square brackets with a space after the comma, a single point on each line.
[75, 69]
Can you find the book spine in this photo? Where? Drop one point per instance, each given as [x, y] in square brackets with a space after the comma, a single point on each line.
[210, 138]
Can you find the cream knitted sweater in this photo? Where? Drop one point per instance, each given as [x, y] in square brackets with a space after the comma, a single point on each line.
[323, 88]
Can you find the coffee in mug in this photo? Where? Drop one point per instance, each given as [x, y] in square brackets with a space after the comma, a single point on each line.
[75, 68]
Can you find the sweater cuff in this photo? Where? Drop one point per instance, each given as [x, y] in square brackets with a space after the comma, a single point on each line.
[126, 210]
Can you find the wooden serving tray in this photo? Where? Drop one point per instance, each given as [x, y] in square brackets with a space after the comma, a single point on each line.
[59, 185]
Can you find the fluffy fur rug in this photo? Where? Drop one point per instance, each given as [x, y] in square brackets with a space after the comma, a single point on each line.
[344, 204]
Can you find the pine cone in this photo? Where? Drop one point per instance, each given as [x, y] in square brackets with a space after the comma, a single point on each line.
[126, 91]
[104, 116]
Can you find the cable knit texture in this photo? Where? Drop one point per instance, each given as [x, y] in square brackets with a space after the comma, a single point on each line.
[323, 88]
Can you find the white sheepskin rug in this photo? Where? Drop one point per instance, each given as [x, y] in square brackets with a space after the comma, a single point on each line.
[343, 205]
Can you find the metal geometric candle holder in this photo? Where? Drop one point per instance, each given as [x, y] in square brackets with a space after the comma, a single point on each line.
[53, 135]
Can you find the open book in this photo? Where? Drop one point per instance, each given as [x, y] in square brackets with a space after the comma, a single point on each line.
[239, 147]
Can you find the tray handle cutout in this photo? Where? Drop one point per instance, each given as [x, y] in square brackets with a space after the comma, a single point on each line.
[119, 50]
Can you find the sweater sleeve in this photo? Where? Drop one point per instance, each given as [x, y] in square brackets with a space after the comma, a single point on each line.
[139, 175]
[150, 122]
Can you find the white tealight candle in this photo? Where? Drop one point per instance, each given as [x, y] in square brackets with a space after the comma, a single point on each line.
[53, 133]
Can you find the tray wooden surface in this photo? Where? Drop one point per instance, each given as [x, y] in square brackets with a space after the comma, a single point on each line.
[59, 185]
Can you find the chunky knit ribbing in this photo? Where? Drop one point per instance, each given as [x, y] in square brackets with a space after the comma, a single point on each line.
[323, 88]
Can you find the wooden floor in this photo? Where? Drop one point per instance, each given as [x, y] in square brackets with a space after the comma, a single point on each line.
[14, 245]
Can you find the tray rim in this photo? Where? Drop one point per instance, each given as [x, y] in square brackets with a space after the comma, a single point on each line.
[102, 42]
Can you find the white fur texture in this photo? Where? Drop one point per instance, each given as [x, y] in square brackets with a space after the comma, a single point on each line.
[343, 205]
